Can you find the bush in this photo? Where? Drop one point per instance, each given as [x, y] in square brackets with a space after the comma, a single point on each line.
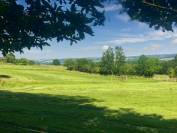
[171, 73]
[10, 58]
[24, 61]
[82, 65]
[56, 62]
[70, 64]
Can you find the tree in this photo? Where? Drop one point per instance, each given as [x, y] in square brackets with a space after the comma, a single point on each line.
[160, 14]
[56, 62]
[24, 61]
[171, 73]
[10, 58]
[32, 23]
[152, 67]
[148, 66]
[129, 69]
[141, 65]
[175, 61]
[107, 62]
[70, 64]
[119, 60]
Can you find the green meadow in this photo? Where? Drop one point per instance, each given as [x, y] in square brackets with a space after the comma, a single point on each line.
[51, 99]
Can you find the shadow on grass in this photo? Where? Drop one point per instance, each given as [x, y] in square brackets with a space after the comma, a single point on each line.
[22, 112]
[4, 77]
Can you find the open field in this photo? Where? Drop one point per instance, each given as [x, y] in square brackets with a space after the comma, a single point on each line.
[51, 99]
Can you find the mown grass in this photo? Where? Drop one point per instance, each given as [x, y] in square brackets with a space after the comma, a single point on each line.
[52, 99]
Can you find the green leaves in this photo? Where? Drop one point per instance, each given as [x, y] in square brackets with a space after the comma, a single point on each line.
[32, 23]
[159, 14]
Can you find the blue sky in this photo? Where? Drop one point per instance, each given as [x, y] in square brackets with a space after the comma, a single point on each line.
[136, 38]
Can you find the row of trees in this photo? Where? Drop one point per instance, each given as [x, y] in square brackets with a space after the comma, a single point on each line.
[82, 65]
[10, 58]
[113, 62]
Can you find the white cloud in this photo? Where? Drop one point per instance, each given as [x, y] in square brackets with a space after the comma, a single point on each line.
[112, 7]
[142, 38]
[123, 17]
[88, 48]
[174, 41]
[105, 47]
[153, 47]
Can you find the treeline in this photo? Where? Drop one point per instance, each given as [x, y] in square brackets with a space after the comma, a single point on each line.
[82, 65]
[10, 58]
[113, 62]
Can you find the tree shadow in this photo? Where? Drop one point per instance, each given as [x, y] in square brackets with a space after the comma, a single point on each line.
[5, 76]
[23, 112]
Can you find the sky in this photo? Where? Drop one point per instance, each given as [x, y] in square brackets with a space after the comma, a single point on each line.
[134, 37]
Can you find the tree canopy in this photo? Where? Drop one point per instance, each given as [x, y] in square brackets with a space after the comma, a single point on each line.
[160, 14]
[32, 23]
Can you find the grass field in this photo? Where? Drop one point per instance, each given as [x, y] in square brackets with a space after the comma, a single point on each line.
[51, 99]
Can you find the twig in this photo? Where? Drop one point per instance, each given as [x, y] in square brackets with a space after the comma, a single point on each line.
[158, 6]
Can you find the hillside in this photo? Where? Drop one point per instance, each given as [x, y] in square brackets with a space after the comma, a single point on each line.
[52, 99]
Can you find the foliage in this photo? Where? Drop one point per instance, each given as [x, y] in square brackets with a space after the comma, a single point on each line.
[31, 23]
[70, 64]
[171, 73]
[10, 58]
[107, 62]
[148, 66]
[129, 69]
[24, 61]
[119, 60]
[82, 65]
[56, 62]
[160, 14]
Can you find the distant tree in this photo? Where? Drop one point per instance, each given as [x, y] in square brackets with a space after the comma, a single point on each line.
[56, 62]
[175, 61]
[82, 65]
[129, 69]
[24, 61]
[171, 73]
[119, 60]
[141, 65]
[107, 62]
[152, 67]
[148, 66]
[10, 58]
[70, 64]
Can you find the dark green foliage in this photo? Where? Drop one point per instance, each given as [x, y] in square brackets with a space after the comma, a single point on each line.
[56, 62]
[129, 69]
[148, 66]
[10, 58]
[107, 62]
[70, 64]
[24, 61]
[119, 61]
[160, 14]
[33, 22]
[82, 65]
[171, 73]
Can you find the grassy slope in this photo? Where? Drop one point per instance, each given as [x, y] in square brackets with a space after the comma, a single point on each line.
[51, 99]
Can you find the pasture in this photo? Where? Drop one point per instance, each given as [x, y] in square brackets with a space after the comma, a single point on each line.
[52, 99]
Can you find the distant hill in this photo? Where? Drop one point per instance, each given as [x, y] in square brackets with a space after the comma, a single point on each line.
[159, 56]
[97, 59]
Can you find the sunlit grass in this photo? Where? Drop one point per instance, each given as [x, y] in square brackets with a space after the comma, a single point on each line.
[52, 98]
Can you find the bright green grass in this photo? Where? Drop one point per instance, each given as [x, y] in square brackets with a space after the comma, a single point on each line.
[51, 99]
